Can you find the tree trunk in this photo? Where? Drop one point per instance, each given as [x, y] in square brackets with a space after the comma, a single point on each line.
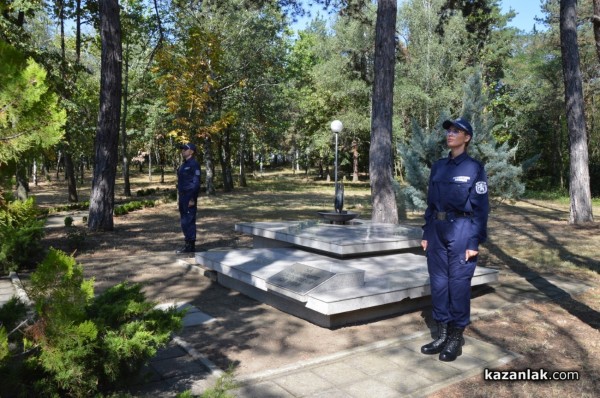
[69, 168]
[596, 23]
[380, 154]
[579, 186]
[22, 181]
[70, 175]
[126, 183]
[225, 160]
[210, 167]
[107, 134]
[354, 161]
[243, 182]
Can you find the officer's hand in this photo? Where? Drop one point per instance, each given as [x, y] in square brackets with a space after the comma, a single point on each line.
[424, 244]
[191, 204]
[471, 254]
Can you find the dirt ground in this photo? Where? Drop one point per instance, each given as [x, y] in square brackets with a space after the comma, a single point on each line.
[526, 238]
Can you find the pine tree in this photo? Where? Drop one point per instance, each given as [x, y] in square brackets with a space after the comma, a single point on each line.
[29, 114]
[425, 147]
[504, 178]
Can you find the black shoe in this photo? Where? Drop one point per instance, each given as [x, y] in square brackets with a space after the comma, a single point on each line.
[437, 345]
[453, 348]
[188, 248]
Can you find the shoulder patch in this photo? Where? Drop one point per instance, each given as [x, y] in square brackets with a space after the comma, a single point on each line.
[197, 172]
[481, 187]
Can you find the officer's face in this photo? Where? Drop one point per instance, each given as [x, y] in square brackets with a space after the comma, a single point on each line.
[456, 138]
[186, 153]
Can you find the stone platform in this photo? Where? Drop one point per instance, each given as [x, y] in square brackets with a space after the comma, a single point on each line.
[357, 238]
[331, 275]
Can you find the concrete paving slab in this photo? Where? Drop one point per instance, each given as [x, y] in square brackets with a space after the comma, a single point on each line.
[370, 388]
[303, 383]
[340, 373]
[266, 389]
[393, 368]
[330, 393]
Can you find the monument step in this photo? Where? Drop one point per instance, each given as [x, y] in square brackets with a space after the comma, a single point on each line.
[317, 287]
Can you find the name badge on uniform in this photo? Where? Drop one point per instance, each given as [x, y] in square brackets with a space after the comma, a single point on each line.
[481, 187]
[461, 179]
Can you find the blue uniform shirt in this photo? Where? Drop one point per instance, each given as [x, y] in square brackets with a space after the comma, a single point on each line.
[188, 178]
[459, 186]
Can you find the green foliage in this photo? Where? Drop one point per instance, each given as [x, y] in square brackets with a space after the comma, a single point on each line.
[3, 343]
[146, 192]
[132, 206]
[419, 153]
[60, 292]
[504, 178]
[425, 147]
[76, 237]
[81, 345]
[68, 221]
[30, 116]
[221, 387]
[72, 206]
[11, 314]
[20, 234]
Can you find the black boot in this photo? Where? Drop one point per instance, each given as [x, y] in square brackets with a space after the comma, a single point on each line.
[188, 248]
[437, 345]
[454, 345]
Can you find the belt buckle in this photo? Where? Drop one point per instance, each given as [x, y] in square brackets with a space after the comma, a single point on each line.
[441, 215]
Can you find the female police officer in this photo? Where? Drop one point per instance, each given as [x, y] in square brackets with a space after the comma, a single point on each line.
[188, 188]
[455, 225]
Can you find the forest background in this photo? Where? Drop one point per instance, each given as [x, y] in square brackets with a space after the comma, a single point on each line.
[234, 77]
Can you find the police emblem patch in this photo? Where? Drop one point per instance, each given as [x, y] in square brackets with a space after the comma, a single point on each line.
[481, 187]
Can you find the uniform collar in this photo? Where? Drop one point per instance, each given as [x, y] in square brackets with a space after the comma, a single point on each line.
[459, 159]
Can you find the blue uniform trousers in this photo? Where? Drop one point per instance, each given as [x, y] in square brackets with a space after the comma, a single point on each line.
[188, 216]
[450, 275]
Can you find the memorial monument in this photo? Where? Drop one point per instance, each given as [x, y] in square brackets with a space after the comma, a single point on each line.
[333, 271]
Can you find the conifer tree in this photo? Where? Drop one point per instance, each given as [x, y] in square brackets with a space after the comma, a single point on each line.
[425, 147]
[504, 178]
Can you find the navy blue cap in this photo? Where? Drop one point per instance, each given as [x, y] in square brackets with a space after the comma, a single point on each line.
[189, 145]
[459, 123]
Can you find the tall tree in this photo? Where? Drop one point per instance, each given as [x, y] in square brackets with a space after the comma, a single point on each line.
[596, 23]
[579, 187]
[380, 154]
[107, 133]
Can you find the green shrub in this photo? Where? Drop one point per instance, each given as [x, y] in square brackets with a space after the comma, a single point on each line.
[221, 387]
[21, 232]
[68, 221]
[81, 345]
[11, 314]
[146, 192]
[76, 237]
[132, 206]
[85, 205]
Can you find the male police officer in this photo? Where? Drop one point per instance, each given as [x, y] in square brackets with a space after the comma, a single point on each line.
[188, 187]
[455, 225]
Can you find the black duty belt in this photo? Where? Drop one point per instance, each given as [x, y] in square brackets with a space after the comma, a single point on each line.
[449, 215]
